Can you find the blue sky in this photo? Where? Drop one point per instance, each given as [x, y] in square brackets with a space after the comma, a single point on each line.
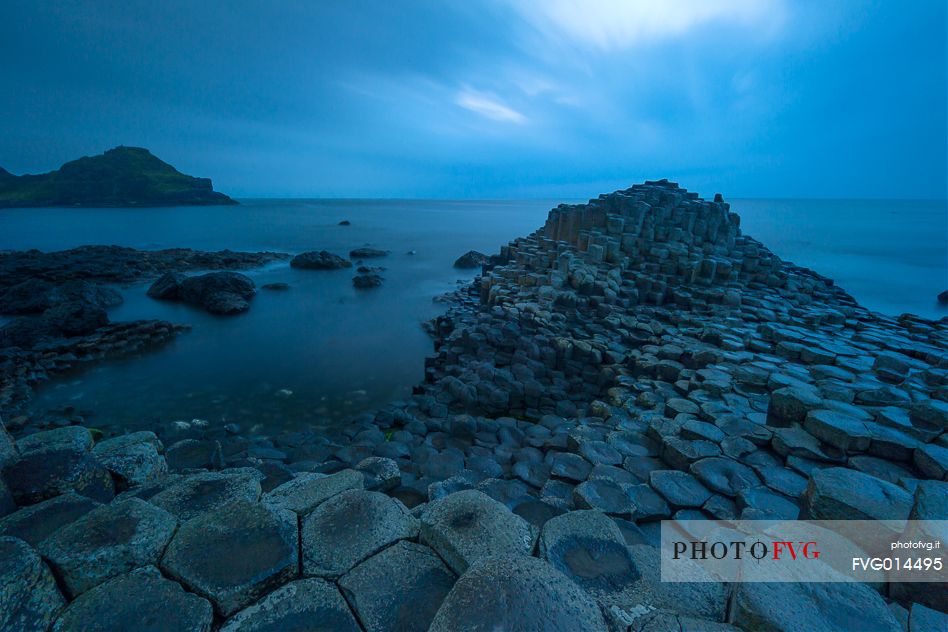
[502, 98]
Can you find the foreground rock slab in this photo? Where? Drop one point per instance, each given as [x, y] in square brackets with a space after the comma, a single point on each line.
[400, 588]
[468, 526]
[305, 604]
[37, 522]
[516, 593]
[29, 599]
[234, 554]
[195, 495]
[351, 526]
[108, 541]
[143, 601]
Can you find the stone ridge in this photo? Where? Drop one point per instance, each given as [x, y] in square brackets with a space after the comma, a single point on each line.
[635, 359]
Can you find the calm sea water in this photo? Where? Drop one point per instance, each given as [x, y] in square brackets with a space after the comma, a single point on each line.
[322, 351]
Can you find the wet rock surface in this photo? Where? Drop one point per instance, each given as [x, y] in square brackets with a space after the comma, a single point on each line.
[29, 599]
[108, 541]
[636, 358]
[235, 554]
[141, 600]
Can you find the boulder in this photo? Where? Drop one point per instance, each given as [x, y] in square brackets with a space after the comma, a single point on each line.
[469, 525]
[319, 260]
[193, 454]
[218, 292]
[235, 554]
[843, 432]
[106, 542]
[379, 474]
[304, 604]
[839, 493]
[400, 588]
[29, 599]
[471, 259]
[194, 495]
[516, 593]
[37, 522]
[133, 458]
[54, 462]
[143, 601]
[350, 527]
[307, 491]
[167, 287]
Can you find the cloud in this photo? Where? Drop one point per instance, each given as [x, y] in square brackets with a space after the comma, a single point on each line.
[617, 24]
[488, 106]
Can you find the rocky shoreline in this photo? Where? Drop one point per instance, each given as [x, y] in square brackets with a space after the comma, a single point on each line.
[637, 358]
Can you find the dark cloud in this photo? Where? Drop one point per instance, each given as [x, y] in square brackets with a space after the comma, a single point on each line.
[495, 99]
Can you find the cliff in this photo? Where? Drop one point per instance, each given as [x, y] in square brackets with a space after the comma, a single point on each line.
[123, 176]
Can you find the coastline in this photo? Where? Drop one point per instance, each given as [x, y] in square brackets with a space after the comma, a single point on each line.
[634, 359]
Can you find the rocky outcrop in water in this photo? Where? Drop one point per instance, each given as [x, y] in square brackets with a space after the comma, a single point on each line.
[61, 299]
[29, 273]
[221, 293]
[319, 260]
[471, 259]
[637, 358]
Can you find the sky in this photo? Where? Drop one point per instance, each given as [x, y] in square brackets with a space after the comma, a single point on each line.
[488, 99]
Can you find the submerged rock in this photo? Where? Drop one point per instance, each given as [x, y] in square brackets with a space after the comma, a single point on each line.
[367, 253]
[366, 281]
[319, 260]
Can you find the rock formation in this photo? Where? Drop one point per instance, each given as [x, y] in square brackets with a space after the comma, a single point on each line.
[635, 359]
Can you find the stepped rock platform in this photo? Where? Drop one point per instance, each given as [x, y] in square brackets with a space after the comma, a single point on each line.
[637, 358]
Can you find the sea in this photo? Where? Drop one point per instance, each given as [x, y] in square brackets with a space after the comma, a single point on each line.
[321, 351]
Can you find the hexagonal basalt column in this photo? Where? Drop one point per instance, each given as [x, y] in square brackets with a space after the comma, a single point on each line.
[143, 601]
[468, 526]
[400, 588]
[351, 526]
[108, 541]
[235, 554]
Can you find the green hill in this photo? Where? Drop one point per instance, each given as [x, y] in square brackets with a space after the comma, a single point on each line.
[124, 176]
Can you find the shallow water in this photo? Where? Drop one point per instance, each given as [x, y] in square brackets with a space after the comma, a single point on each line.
[321, 350]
